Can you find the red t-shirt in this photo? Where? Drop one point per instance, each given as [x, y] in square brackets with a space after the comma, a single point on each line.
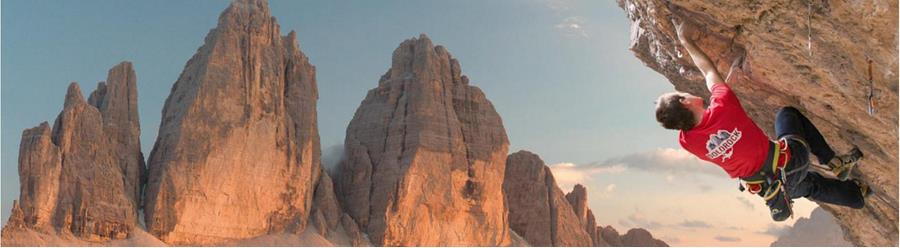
[727, 136]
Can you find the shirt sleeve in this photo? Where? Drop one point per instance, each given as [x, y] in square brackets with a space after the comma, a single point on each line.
[722, 96]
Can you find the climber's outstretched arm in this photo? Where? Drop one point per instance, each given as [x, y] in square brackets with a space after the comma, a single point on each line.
[703, 63]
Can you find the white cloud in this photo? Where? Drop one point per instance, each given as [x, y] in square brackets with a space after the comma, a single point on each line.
[674, 162]
[694, 224]
[573, 26]
[727, 238]
[775, 230]
[569, 174]
[610, 188]
[746, 202]
[557, 5]
[638, 220]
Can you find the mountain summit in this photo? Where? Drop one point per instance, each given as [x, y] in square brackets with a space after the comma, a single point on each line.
[237, 154]
[425, 155]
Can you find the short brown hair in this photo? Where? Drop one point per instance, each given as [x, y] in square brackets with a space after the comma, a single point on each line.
[672, 114]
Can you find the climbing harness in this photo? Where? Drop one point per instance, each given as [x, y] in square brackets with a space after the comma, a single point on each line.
[774, 178]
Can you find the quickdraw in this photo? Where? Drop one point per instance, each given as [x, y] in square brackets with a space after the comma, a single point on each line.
[787, 198]
[775, 178]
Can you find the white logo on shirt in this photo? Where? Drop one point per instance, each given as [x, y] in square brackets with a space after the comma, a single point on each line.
[721, 144]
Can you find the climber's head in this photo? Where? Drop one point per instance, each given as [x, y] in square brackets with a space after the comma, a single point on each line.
[679, 110]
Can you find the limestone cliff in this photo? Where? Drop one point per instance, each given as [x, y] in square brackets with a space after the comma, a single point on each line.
[544, 216]
[835, 60]
[237, 155]
[538, 209]
[425, 156]
[578, 199]
[83, 176]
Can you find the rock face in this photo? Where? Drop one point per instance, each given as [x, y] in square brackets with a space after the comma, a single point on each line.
[237, 154]
[636, 237]
[819, 230]
[538, 209]
[578, 199]
[833, 60]
[611, 236]
[425, 156]
[544, 216]
[639, 237]
[83, 176]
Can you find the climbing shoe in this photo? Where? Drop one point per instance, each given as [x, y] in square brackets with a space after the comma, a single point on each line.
[863, 188]
[842, 165]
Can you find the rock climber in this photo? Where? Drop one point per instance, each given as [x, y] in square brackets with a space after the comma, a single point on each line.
[723, 134]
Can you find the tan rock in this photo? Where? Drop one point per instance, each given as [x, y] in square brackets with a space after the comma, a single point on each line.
[237, 155]
[641, 238]
[538, 209]
[327, 204]
[39, 169]
[810, 54]
[356, 237]
[16, 218]
[578, 199]
[83, 176]
[611, 236]
[425, 156]
[317, 220]
[597, 237]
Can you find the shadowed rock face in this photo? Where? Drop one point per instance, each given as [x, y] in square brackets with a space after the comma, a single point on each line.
[425, 156]
[84, 175]
[538, 209]
[237, 154]
[578, 199]
[544, 216]
[611, 236]
[639, 237]
[814, 55]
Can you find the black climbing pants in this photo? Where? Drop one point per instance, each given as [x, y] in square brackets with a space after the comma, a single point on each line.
[804, 183]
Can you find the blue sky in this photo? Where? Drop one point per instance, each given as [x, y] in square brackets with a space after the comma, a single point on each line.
[559, 72]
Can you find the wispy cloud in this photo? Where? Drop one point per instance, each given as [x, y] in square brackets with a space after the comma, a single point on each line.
[331, 156]
[727, 238]
[610, 188]
[638, 219]
[675, 164]
[775, 230]
[694, 224]
[569, 174]
[669, 161]
[557, 5]
[573, 26]
[704, 188]
[671, 239]
[746, 202]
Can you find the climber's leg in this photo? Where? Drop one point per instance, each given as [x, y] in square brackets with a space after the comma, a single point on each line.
[789, 121]
[819, 188]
